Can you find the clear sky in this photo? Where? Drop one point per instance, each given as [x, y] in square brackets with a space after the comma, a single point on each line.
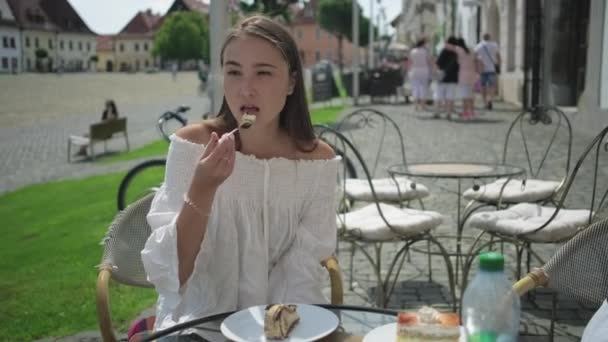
[110, 16]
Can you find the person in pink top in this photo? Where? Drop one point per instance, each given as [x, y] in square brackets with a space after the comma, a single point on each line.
[467, 76]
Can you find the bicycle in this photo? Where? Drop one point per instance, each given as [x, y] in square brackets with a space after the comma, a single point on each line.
[146, 176]
[170, 121]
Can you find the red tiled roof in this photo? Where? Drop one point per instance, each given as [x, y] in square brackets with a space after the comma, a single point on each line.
[142, 23]
[48, 15]
[189, 5]
[105, 43]
[30, 15]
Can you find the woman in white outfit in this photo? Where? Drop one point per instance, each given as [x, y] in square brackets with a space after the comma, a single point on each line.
[419, 73]
[244, 218]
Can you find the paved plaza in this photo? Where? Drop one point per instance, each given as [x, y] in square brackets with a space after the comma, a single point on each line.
[34, 150]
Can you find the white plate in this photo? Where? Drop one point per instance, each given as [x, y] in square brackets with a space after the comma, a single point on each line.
[248, 325]
[388, 332]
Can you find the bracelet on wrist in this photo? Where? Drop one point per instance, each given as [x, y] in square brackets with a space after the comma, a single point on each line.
[194, 206]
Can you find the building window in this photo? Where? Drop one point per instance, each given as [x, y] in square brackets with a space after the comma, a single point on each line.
[318, 34]
[36, 43]
[28, 62]
[88, 46]
[145, 46]
[121, 47]
[136, 47]
[15, 63]
[329, 55]
[4, 62]
[61, 45]
[317, 55]
[50, 44]
[146, 63]
[5, 42]
[27, 41]
[70, 45]
[13, 43]
[79, 46]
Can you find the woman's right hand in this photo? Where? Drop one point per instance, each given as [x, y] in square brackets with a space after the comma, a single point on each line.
[215, 165]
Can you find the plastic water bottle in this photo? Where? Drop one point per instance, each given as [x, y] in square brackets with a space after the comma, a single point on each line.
[490, 309]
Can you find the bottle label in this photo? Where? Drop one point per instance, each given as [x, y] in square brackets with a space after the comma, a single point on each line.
[483, 336]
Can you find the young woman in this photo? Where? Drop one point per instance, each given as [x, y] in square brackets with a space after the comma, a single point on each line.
[419, 73]
[467, 75]
[245, 218]
[109, 113]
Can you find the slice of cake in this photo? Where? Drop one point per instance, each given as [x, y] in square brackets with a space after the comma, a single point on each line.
[279, 320]
[428, 324]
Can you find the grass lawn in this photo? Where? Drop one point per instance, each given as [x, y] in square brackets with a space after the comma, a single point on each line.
[50, 248]
[51, 245]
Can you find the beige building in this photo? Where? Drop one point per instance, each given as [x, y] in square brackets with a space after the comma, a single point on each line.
[53, 28]
[133, 45]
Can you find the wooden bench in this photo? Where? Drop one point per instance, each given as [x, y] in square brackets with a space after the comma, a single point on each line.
[101, 131]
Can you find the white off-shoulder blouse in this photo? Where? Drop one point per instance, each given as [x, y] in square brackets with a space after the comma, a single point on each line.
[271, 223]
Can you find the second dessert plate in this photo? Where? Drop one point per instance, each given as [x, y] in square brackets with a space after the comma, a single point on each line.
[247, 325]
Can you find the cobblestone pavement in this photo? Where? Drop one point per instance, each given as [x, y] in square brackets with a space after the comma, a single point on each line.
[35, 150]
[427, 139]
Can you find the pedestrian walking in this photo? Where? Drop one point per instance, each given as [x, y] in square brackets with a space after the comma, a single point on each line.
[488, 53]
[447, 79]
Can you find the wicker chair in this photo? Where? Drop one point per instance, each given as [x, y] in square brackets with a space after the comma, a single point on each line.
[377, 223]
[579, 269]
[121, 261]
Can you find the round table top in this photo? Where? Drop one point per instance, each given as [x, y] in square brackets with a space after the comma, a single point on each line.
[455, 170]
[355, 322]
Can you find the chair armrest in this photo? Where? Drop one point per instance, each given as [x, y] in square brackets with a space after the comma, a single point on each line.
[335, 278]
[536, 278]
[102, 295]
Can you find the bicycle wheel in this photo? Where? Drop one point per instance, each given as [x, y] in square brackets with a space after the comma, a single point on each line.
[140, 181]
[169, 124]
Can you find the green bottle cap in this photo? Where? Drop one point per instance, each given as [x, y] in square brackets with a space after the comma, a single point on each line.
[491, 261]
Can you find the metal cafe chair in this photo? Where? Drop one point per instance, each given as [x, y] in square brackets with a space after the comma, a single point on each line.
[538, 185]
[526, 224]
[377, 223]
[380, 142]
[121, 261]
[578, 269]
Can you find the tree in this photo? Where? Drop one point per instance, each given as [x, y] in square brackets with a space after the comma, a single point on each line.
[94, 59]
[183, 36]
[336, 17]
[271, 8]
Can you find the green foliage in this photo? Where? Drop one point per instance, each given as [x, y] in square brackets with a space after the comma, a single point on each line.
[183, 36]
[271, 8]
[154, 149]
[94, 59]
[336, 16]
[41, 53]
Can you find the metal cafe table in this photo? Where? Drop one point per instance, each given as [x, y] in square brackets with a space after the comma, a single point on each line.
[354, 323]
[458, 171]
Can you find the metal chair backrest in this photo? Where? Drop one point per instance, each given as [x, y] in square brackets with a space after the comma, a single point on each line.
[124, 241]
[376, 136]
[591, 177]
[543, 121]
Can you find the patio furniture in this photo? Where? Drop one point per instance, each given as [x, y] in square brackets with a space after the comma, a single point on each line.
[458, 171]
[538, 185]
[355, 322]
[101, 131]
[525, 224]
[578, 269]
[121, 261]
[378, 222]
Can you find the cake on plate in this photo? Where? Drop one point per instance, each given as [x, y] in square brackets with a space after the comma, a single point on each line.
[279, 320]
[428, 324]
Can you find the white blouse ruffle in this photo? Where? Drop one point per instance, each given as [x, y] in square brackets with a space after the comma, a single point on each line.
[272, 222]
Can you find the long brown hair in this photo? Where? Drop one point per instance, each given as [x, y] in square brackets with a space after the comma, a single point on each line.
[294, 117]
